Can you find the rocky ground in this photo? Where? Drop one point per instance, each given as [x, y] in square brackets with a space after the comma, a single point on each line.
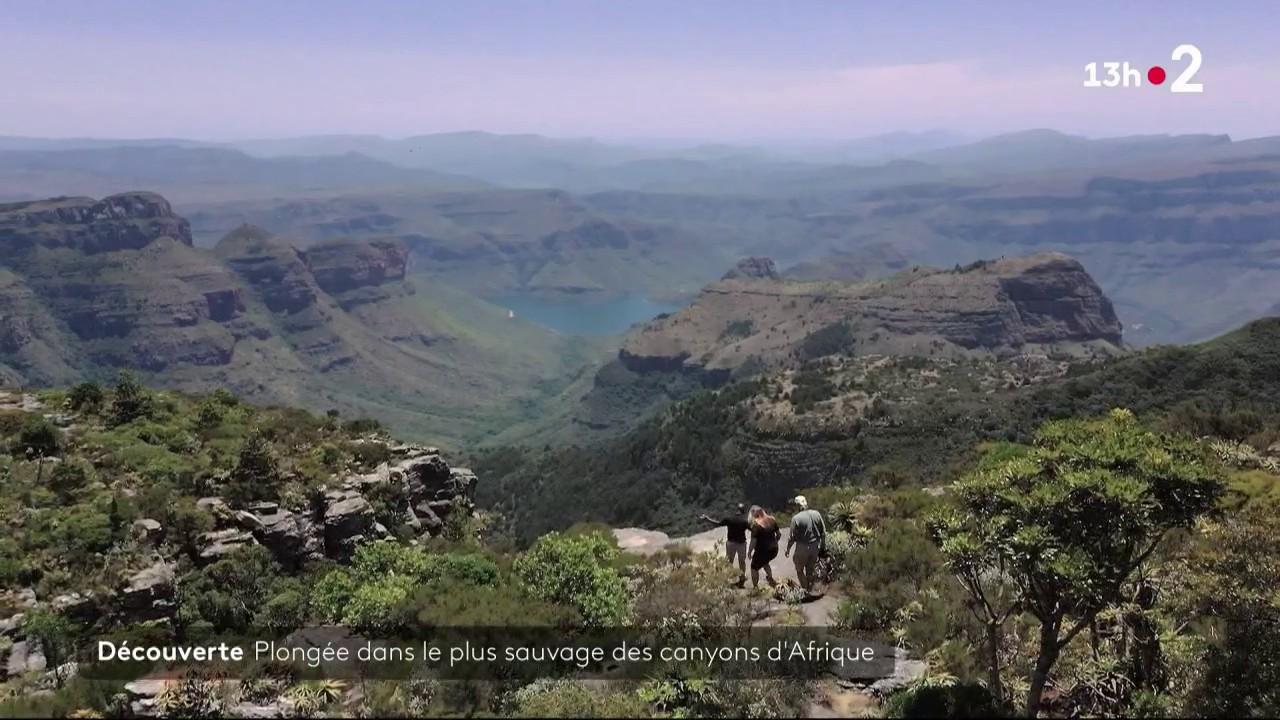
[835, 697]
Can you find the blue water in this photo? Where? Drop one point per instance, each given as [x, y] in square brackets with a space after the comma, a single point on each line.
[604, 317]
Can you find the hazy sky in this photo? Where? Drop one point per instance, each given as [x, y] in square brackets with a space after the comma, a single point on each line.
[730, 71]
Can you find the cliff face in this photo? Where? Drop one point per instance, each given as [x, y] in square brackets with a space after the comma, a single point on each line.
[91, 286]
[129, 221]
[114, 282]
[359, 272]
[1003, 307]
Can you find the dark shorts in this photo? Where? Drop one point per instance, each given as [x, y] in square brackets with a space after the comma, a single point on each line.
[763, 557]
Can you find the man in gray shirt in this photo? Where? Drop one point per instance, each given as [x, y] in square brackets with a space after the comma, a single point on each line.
[808, 533]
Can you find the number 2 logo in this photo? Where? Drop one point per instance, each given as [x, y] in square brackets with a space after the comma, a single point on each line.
[1183, 83]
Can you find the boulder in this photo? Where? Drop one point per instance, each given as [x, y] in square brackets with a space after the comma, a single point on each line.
[25, 656]
[247, 520]
[290, 537]
[431, 523]
[79, 606]
[214, 545]
[21, 599]
[761, 268]
[348, 521]
[149, 593]
[142, 694]
[9, 626]
[147, 531]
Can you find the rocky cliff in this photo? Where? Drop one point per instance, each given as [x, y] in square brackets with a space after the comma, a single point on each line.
[1003, 307]
[88, 287]
[114, 282]
[129, 221]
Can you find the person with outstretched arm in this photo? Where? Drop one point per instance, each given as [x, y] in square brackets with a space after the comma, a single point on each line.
[735, 545]
[808, 533]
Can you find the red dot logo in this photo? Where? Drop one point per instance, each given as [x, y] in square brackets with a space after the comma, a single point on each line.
[1155, 75]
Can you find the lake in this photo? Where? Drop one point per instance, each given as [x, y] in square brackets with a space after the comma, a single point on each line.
[604, 317]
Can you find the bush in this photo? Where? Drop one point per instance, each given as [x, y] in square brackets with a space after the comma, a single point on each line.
[228, 594]
[943, 700]
[129, 401]
[374, 592]
[255, 476]
[569, 699]
[87, 396]
[68, 477]
[577, 572]
[37, 438]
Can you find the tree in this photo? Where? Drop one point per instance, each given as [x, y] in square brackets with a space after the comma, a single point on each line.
[1233, 579]
[68, 477]
[1068, 520]
[85, 396]
[56, 635]
[129, 401]
[374, 593]
[255, 476]
[38, 438]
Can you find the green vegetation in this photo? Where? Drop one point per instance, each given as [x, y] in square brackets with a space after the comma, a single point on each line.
[922, 422]
[1029, 518]
[1093, 563]
[834, 339]
[577, 571]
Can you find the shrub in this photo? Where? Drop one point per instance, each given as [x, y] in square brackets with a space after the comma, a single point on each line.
[129, 401]
[374, 592]
[570, 699]
[577, 572]
[87, 396]
[68, 477]
[37, 438]
[255, 476]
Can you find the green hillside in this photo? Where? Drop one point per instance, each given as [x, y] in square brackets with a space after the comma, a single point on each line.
[875, 422]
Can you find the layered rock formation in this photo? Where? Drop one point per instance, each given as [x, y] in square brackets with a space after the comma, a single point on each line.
[1004, 307]
[427, 491]
[114, 282]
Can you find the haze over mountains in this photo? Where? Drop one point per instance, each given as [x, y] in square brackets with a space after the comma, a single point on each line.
[398, 260]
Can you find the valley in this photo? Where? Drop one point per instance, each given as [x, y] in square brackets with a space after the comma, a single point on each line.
[215, 366]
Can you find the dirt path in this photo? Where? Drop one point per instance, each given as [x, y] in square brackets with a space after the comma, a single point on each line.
[834, 698]
[817, 612]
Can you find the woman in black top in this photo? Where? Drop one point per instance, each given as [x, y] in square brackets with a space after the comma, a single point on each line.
[764, 545]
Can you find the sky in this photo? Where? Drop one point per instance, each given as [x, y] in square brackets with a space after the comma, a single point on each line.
[701, 70]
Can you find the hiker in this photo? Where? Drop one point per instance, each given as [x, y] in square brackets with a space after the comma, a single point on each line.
[764, 545]
[735, 546]
[808, 534]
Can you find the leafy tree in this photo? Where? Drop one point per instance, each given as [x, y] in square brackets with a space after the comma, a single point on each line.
[1070, 519]
[228, 594]
[578, 572]
[374, 592]
[38, 438]
[209, 414]
[129, 401]
[68, 477]
[255, 476]
[1234, 578]
[56, 635]
[87, 396]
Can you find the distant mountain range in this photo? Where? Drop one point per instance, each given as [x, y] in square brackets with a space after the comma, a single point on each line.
[1181, 232]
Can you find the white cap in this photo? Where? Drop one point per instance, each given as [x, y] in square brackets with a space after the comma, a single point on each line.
[801, 501]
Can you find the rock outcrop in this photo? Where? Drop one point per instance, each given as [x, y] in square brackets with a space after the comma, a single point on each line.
[759, 268]
[129, 221]
[417, 477]
[1004, 307]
